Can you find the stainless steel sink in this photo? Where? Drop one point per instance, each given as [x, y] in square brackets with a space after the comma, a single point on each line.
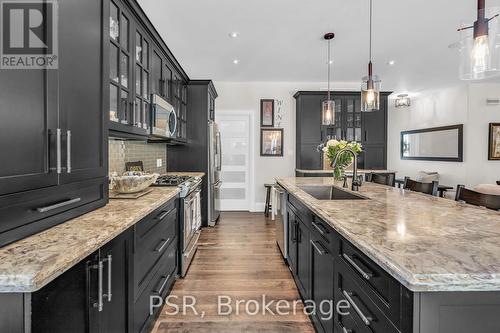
[329, 193]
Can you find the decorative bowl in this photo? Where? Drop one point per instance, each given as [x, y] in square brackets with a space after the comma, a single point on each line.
[132, 183]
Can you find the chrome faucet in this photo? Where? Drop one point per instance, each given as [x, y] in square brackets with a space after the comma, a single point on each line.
[356, 181]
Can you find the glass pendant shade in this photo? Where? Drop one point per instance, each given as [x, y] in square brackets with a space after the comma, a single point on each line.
[480, 48]
[328, 113]
[370, 94]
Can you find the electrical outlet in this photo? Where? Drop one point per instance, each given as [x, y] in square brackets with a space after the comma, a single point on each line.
[158, 162]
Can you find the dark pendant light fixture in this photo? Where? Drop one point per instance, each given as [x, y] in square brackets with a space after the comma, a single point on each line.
[328, 106]
[370, 86]
[479, 49]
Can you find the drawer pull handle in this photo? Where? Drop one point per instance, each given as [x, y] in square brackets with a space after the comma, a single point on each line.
[162, 245]
[321, 228]
[58, 205]
[366, 319]
[345, 330]
[163, 283]
[162, 215]
[318, 247]
[109, 294]
[366, 275]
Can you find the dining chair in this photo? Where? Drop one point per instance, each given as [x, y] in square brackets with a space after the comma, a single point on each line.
[426, 188]
[388, 179]
[489, 201]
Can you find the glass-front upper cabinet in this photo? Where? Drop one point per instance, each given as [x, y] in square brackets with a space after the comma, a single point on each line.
[353, 119]
[140, 112]
[129, 73]
[119, 64]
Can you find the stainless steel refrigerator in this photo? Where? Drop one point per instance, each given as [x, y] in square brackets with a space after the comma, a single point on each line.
[214, 171]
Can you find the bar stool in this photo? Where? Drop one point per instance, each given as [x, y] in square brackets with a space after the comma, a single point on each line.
[268, 206]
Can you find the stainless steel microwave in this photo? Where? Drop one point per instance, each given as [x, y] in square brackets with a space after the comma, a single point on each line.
[163, 118]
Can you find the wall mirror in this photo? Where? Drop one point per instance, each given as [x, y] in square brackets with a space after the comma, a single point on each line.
[433, 144]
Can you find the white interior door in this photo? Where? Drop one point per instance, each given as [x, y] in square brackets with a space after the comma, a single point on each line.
[235, 138]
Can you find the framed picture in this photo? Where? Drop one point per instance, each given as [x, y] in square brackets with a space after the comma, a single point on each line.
[494, 142]
[271, 142]
[267, 112]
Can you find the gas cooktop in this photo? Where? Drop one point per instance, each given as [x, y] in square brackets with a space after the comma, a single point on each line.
[171, 180]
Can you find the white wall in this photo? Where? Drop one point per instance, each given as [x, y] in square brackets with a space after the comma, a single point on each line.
[465, 104]
[244, 96]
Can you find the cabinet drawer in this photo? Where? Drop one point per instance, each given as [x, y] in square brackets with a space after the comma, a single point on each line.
[382, 288]
[324, 232]
[300, 210]
[153, 244]
[30, 212]
[151, 221]
[367, 315]
[163, 278]
[346, 324]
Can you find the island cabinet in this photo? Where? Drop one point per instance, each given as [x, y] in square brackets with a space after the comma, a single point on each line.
[327, 268]
[108, 291]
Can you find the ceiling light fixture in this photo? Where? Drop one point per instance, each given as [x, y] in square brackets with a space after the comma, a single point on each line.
[370, 86]
[391, 62]
[236, 61]
[479, 53]
[234, 34]
[328, 106]
[402, 101]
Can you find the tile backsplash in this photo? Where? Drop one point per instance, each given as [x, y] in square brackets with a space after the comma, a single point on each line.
[129, 151]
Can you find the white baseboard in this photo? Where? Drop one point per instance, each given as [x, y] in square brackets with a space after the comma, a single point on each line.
[258, 207]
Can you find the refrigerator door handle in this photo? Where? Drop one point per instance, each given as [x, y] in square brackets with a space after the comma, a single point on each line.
[219, 151]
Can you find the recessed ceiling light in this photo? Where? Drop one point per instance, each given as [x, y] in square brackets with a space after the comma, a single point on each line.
[234, 34]
[391, 62]
[330, 62]
[236, 61]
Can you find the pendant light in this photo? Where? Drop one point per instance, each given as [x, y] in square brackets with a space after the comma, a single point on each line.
[370, 86]
[479, 47]
[328, 106]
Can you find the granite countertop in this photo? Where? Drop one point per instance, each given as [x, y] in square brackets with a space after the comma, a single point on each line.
[31, 263]
[427, 243]
[360, 171]
[183, 173]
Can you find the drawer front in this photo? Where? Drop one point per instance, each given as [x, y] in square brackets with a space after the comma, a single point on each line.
[152, 220]
[367, 315]
[382, 288]
[300, 210]
[153, 244]
[163, 278]
[347, 324]
[27, 213]
[323, 231]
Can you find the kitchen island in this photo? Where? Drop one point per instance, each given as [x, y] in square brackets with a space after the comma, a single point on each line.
[405, 261]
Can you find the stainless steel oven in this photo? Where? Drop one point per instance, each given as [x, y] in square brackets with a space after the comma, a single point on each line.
[191, 223]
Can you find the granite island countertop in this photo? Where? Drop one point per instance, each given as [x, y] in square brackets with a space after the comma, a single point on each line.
[427, 243]
[31, 263]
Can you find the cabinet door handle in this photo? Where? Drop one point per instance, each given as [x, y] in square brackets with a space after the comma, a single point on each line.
[57, 205]
[366, 136]
[294, 233]
[58, 150]
[163, 283]
[109, 259]
[100, 302]
[345, 330]
[161, 216]
[318, 247]
[366, 319]
[366, 275]
[68, 151]
[321, 228]
[162, 245]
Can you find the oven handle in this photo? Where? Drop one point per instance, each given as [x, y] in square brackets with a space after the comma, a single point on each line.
[192, 197]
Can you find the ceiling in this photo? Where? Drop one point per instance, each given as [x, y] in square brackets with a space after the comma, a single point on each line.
[281, 40]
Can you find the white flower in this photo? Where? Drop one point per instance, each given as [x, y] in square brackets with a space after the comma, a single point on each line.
[325, 149]
[332, 143]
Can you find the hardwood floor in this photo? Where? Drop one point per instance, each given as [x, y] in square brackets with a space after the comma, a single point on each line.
[237, 259]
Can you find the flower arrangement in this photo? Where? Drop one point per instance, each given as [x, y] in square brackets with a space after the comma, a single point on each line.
[332, 148]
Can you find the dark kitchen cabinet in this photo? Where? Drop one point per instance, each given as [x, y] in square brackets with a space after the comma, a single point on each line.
[161, 75]
[292, 241]
[322, 287]
[193, 156]
[53, 131]
[92, 296]
[303, 259]
[351, 124]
